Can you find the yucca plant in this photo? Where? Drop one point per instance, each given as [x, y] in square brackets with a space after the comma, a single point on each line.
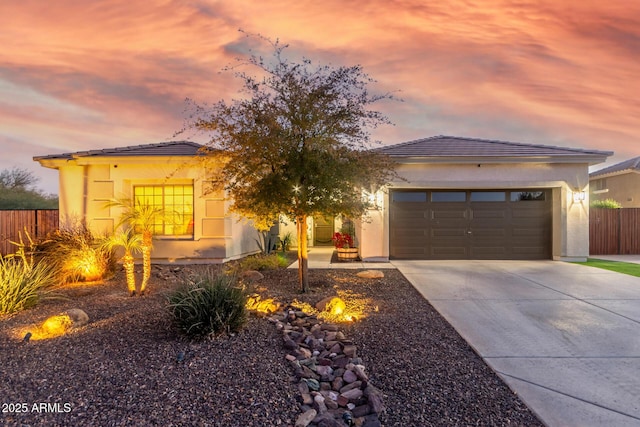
[131, 242]
[208, 305]
[23, 283]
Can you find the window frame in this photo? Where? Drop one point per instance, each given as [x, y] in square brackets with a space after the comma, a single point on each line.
[188, 207]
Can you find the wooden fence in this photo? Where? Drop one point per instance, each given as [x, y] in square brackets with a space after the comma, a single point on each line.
[614, 231]
[36, 222]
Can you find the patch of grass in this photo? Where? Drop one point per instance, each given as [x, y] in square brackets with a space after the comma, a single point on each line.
[272, 261]
[617, 266]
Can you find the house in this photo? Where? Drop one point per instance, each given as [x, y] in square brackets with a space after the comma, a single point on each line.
[457, 198]
[168, 175]
[468, 198]
[620, 182]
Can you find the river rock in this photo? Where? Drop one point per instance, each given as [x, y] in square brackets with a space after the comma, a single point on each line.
[305, 418]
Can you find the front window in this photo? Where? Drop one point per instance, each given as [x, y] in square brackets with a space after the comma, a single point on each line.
[175, 202]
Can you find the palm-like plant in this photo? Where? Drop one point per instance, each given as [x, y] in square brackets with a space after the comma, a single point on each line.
[140, 217]
[131, 242]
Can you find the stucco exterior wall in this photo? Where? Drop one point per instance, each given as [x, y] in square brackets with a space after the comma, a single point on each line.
[623, 188]
[570, 220]
[86, 186]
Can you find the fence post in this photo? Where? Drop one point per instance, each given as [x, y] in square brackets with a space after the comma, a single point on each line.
[619, 231]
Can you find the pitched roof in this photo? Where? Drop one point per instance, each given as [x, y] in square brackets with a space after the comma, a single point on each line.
[450, 146]
[630, 165]
[171, 148]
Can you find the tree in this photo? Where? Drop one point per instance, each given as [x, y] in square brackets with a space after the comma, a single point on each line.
[17, 178]
[140, 217]
[131, 242]
[297, 143]
[17, 191]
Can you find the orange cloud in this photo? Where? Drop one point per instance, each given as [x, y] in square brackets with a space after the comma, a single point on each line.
[77, 74]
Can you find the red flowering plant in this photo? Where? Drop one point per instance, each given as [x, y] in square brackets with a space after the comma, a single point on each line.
[342, 240]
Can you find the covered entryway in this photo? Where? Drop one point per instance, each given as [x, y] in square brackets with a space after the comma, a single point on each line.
[470, 224]
[323, 227]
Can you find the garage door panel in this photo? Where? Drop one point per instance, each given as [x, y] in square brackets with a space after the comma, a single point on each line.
[488, 233]
[479, 214]
[525, 232]
[488, 252]
[414, 241]
[447, 232]
[448, 251]
[409, 214]
[439, 214]
[408, 233]
[415, 252]
[527, 213]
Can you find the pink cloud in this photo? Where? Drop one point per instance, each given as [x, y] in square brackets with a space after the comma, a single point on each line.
[97, 74]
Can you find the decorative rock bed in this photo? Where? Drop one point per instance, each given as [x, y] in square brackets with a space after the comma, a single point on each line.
[334, 388]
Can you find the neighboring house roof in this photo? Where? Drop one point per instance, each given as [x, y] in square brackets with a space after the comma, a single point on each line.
[171, 148]
[631, 165]
[449, 147]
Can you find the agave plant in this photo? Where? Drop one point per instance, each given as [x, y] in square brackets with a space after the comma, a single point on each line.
[131, 242]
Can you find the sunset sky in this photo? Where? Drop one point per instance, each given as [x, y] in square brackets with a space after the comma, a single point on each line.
[88, 74]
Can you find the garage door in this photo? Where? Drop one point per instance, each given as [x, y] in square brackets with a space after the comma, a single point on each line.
[470, 224]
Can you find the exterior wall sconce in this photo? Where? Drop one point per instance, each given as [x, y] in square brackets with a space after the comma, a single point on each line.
[579, 196]
[374, 199]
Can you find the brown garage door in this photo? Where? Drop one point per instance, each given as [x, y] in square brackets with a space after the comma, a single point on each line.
[470, 224]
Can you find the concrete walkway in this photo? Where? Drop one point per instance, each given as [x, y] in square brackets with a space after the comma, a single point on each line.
[564, 337]
[320, 257]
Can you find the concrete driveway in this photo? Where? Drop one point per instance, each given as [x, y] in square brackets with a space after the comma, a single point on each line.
[564, 337]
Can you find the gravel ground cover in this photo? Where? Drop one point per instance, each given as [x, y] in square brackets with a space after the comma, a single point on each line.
[129, 366]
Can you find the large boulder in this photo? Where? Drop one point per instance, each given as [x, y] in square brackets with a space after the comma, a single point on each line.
[371, 274]
[78, 317]
[252, 276]
[334, 305]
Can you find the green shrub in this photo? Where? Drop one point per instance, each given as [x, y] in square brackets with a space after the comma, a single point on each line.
[77, 253]
[605, 204]
[23, 283]
[285, 241]
[208, 305]
[273, 261]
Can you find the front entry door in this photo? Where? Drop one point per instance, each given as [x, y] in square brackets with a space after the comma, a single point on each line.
[322, 230]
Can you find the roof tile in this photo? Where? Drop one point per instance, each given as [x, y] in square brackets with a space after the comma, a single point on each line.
[627, 165]
[171, 148]
[450, 146]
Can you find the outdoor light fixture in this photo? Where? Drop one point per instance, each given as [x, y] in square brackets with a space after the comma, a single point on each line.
[579, 196]
[374, 198]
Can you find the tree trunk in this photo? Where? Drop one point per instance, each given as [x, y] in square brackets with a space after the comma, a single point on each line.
[301, 223]
[127, 263]
[146, 260]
